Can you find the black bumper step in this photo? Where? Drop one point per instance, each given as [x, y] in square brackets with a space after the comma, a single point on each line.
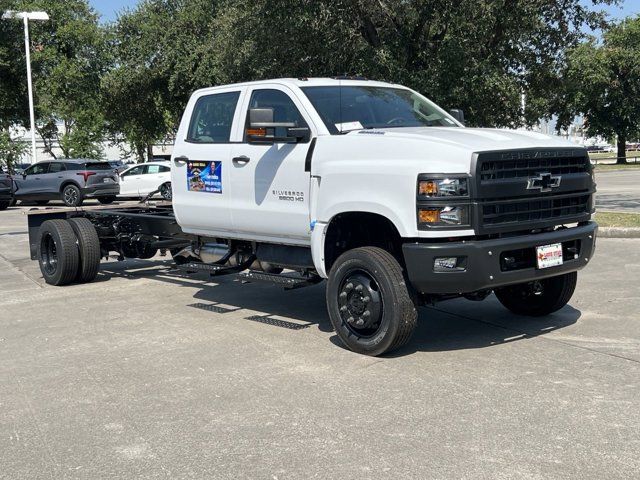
[289, 282]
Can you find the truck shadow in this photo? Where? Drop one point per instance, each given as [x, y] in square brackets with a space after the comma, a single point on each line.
[462, 324]
[453, 325]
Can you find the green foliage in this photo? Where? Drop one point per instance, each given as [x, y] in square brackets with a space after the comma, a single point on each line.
[603, 83]
[132, 79]
[10, 150]
[68, 56]
[479, 55]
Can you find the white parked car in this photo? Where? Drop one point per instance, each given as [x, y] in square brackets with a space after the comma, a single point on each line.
[144, 178]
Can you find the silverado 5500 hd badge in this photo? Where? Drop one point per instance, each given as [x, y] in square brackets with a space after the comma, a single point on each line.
[204, 176]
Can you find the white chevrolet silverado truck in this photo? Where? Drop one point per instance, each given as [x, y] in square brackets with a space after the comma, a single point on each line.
[368, 185]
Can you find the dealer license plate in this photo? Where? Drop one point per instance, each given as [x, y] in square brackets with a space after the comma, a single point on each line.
[549, 255]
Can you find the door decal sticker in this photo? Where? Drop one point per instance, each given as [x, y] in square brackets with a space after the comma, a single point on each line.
[204, 176]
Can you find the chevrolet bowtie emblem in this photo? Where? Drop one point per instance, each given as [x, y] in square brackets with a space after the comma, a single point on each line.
[543, 182]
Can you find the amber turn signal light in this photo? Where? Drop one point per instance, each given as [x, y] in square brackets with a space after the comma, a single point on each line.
[257, 132]
[428, 188]
[428, 216]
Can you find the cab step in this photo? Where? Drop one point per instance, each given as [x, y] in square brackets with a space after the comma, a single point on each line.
[289, 282]
[214, 269]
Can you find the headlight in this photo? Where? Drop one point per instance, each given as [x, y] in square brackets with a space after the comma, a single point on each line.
[442, 216]
[443, 187]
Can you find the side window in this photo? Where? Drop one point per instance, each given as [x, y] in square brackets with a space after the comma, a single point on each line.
[56, 167]
[153, 169]
[134, 171]
[284, 110]
[164, 169]
[37, 169]
[212, 118]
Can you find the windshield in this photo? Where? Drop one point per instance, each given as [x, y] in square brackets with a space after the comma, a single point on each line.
[346, 108]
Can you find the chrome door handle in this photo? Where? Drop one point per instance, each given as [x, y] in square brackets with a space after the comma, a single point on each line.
[181, 159]
[242, 160]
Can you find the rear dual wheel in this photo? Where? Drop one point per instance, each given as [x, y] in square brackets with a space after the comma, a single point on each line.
[369, 302]
[68, 251]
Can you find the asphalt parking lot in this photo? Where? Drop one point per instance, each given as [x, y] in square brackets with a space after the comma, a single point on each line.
[147, 373]
[618, 190]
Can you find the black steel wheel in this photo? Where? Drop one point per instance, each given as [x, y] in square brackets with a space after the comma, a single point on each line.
[368, 301]
[360, 303]
[88, 249]
[71, 196]
[57, 252]
[165, 191]
[540, 297]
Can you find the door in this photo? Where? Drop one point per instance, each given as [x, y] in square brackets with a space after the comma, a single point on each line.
[52, 180]
[152, 179]
[130, 180]
[30, 184]
[202, 162]
[270, 186]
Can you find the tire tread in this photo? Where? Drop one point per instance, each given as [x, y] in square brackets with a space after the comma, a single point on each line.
[88, 249]
[68, 257]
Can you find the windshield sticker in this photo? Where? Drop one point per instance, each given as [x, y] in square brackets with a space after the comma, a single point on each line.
[348, 126]
[205, 176]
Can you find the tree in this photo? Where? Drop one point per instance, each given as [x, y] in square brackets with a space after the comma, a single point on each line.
[68, 57]
[159, 48]
[10, 150]
[603, 84]
[479, 55]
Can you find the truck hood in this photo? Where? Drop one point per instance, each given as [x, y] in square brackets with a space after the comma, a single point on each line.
[472, 139]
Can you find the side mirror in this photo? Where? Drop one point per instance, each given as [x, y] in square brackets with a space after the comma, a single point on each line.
[24, 176]
[262, 128]
[263, 118]
[457, 114]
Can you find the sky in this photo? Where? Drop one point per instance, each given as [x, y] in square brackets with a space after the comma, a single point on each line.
[109, 8]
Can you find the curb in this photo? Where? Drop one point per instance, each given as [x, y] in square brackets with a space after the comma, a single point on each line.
[618, 232]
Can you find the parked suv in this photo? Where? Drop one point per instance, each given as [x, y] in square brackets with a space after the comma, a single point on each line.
[72, 181]
[6, 190]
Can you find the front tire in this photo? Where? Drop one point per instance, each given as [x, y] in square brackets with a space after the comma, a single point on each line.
[5, 204]
[368, 301]
[58, 252]
[538, 298]
[72, 196]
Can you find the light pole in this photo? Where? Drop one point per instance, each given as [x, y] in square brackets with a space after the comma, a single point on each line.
[26, 16]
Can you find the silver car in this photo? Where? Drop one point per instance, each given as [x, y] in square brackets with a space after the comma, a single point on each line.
[71, 181]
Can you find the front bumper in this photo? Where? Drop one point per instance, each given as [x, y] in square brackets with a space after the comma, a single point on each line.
[101, 190]
[486, 267]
